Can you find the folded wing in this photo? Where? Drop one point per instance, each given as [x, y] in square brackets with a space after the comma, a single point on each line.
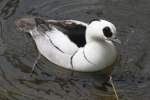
[73, 29]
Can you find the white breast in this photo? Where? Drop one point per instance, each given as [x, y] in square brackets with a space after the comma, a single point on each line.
[101, 54]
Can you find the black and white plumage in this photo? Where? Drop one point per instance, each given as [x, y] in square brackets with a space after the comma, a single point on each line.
[73, 44]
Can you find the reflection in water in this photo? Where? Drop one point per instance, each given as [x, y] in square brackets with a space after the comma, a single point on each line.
[23, 85]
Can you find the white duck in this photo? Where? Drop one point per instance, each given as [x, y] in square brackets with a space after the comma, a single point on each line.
[73, 44]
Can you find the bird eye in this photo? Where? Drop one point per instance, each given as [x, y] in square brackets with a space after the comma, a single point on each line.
[107, 32]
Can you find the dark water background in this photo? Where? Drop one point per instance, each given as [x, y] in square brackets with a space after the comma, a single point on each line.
[17, 51]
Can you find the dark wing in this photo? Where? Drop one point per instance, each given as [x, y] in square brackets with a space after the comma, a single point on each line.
[75, 30]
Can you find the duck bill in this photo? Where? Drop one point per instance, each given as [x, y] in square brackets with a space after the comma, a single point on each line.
[116, 40]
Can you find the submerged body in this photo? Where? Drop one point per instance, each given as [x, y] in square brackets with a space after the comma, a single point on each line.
[57, 47]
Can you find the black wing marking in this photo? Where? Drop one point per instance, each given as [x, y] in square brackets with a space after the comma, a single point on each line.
[73, 29]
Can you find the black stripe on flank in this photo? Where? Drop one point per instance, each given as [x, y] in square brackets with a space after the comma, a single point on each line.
[54, 44]
[71, 59]
[87, 58]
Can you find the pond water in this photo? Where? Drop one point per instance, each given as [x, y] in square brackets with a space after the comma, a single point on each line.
[49, 82]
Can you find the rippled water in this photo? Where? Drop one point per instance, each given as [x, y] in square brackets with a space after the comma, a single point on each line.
[18, 52]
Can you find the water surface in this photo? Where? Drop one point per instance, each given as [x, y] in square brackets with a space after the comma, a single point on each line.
[18, 52]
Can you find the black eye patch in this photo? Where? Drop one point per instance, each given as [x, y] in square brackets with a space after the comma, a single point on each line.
[107, 32]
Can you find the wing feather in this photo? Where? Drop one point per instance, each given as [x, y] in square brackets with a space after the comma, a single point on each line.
[74, 29]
